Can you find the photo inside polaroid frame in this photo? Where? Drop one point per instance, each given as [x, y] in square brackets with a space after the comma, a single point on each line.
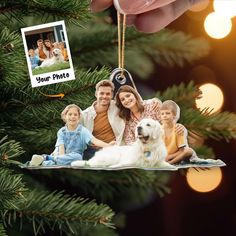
[48, 55]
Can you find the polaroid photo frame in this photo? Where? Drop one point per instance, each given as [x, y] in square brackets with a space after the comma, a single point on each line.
[47, 53]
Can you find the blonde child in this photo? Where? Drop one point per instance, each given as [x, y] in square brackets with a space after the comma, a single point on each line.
[34, 59]
[176, 144]
[72, 140]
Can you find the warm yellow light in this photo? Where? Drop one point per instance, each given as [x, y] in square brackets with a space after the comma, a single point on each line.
[212, 97]
[204, 180]
[217, 26]
[226, 7]
[199, 6]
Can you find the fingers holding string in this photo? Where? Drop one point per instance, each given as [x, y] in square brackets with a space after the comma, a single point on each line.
[155, 20]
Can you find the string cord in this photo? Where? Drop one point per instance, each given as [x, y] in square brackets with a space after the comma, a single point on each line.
[121, 42]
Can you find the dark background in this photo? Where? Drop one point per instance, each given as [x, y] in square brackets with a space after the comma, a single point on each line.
[185, 211]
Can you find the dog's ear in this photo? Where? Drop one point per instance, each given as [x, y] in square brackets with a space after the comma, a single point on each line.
[157, 131]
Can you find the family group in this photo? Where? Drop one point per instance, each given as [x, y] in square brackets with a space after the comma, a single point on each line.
[111, 121]
[44, 51]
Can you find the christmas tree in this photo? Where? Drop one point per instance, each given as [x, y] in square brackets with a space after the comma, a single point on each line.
[82, 202]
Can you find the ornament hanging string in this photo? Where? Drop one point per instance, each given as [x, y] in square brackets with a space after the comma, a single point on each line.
[121, 42]
[120, 76]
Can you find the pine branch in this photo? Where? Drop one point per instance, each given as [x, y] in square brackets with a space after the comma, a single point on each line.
[73, 11]
[98, 46]
[2, 230]
[13, 66]
[84, 83]
[111, 185]
[184, 49]
[41, 138]
[204, 152]
[61, 211]
[11, 189]
[8, 150]
[217, 126]
[183, 94]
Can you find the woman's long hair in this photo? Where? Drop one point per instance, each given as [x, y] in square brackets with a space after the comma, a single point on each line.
[125, 113]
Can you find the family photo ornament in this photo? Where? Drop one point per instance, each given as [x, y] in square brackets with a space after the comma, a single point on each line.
[119, 130]
[47, 53]
[157, 144]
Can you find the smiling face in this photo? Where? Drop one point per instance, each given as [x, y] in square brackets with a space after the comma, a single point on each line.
[72, 117]
[40, 43]
[104, 95]
[128, 100]
[47, 43]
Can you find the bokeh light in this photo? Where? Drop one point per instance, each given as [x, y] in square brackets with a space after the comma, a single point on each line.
[212, 97]
[217, 26]
[199, 6]
[226, 7]
[204, 180]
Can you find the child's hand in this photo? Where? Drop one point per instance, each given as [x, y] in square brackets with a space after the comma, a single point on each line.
[147, 16]
[180, 129]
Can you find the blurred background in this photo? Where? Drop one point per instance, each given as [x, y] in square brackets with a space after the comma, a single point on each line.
[200, 202]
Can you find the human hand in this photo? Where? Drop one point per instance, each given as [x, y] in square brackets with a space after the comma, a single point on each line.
[169, 158]
[112, 143]
[156, 104]
[180, 129]
[147, 15]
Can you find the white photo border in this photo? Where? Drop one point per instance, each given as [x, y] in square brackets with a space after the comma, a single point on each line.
[50, 77]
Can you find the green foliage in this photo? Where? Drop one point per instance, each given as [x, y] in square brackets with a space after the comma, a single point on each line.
[96, 45]
[204, 152]
[8, 150]
[56, 67]
[2, 230]
[73, 11]
[111, 185]
[184, 49]
[13, 64]
[59, 210]
[183, 94]
[216, 125]
[11, 189]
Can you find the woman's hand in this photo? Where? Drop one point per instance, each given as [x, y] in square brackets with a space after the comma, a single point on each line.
[147, 15]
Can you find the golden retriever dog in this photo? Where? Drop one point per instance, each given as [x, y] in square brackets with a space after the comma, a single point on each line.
[148, 151]
[56, 58]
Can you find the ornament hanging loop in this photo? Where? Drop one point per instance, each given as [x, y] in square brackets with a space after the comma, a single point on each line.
[121, 77]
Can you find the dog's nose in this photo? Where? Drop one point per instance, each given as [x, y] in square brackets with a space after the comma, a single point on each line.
[139, 129]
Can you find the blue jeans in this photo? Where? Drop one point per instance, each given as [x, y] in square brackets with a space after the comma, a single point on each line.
[65, 159]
